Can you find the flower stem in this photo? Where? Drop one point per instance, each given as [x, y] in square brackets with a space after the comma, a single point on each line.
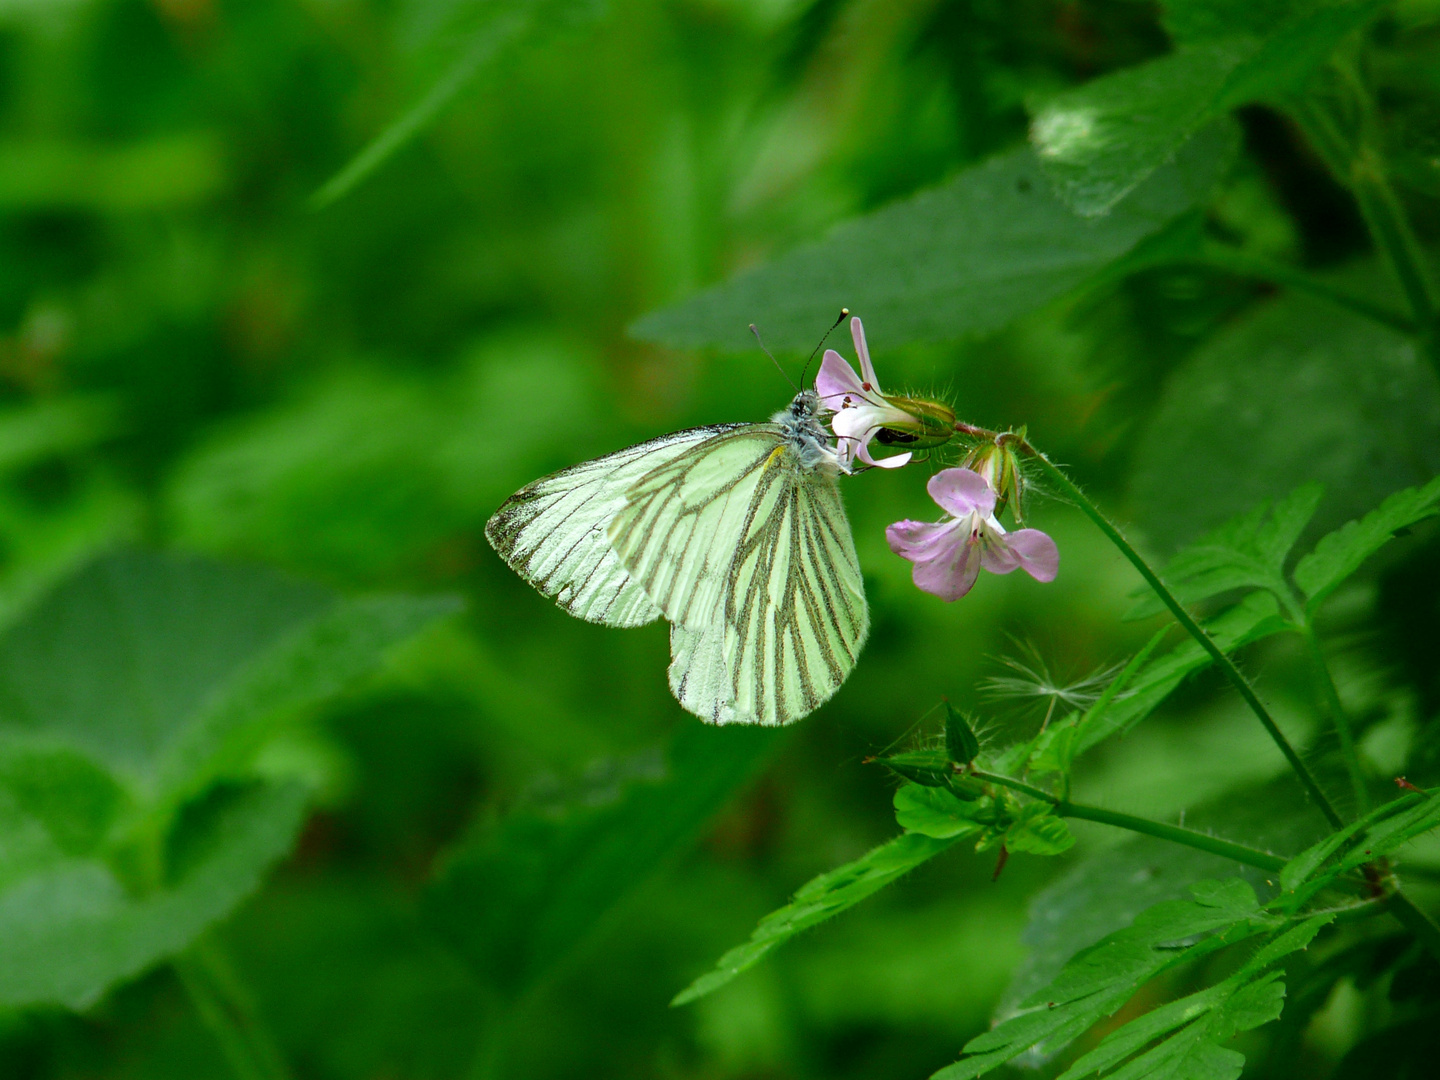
[1233, 673]
[1189, 837]
[1338, 714]
[225, 1008]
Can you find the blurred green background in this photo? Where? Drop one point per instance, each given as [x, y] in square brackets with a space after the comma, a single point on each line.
[193, 356]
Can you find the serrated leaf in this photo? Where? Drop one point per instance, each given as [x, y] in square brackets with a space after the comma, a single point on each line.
[69, 930]
[495, 29]
[1100, 979]
[1100, 140]
[821, 898]
[961, 259]
[1255, 617]
[1247, 552]
[1342, 552]
[1037, 831]
[938, 813]
[516, 901]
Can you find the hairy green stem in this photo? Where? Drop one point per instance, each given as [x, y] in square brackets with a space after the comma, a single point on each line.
[1242, 264]
[1176, 834]
[225, 1008]
[1338, 714]
[1226, 665]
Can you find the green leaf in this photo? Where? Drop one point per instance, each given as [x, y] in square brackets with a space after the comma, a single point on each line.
[1037, 831]
[1296, 391]
[69, 929]
[961, 259]
[1100, 979]
[1247, 552]
[161, 668]
[70, 795]
[1255, 617]
[1190, 21]
[1100, 140]
[938, 813]
[929, 767]
[494, 30]
[517, 900]
[960, 741]
[1343, 551]
[820, 899]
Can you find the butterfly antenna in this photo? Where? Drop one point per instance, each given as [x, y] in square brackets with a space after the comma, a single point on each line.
[844, 314]
[768, 353]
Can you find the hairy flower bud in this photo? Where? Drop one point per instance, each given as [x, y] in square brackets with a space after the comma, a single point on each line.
[927, 424]
[999, 465]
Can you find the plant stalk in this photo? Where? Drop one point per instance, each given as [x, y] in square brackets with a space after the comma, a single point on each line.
[225, 1008]
[1233, 673]
[1176, 834]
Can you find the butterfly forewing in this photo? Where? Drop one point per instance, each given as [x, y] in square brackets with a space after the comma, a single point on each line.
[553, 532]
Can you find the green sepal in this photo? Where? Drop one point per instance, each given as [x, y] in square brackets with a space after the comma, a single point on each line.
[960, 741]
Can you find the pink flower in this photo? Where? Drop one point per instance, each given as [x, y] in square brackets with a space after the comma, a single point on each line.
[861, 410]
[949, 555]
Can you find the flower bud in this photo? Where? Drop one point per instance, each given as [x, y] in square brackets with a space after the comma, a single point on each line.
[927, 424]
[999, 464]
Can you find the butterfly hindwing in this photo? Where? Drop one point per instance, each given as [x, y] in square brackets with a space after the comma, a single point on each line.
[748, 554]
[553, 531]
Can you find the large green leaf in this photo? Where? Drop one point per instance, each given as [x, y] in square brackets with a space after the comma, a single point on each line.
[517, 900]
[1247, 552]
[1097, 981]
[155, 667]
[961, 259]
[1342, 552]
[69, 928]
[1191, 21]
[1100, 140]
[819, 899]
[1297, 391]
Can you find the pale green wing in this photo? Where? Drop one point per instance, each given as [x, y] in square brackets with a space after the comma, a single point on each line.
[553, 532]
[749, 555]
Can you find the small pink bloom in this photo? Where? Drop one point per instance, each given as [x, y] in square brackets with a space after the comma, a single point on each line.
[861, 410]
[949, 555]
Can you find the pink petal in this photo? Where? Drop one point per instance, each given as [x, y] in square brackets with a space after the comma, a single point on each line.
[857, 334]
[1036, 552]
[894, 461]
[995, 553]
[961, 492]
[836, 380]
[946, 561]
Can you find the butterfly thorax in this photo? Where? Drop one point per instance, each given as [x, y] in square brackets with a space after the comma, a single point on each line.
[805, 434]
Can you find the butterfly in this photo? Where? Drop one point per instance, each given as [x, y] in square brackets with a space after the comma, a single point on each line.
[734, 533]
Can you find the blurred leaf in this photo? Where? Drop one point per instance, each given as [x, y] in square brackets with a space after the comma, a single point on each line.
[491, 29]
[175, 170]
[1255, 617]
[1247, 552]
[69, 794]
[1097, 981]
[69, 931]
[817, 900]
[368, 468]
[1297, 391]
[1342, 552]
[1191, 21]
[937, 813]
[518, 900]
[157, 666]
[50, 426]
[1098, 141]
[1037, 831]
[961, 259]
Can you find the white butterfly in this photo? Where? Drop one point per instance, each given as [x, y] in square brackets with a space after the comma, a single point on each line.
[735, 533]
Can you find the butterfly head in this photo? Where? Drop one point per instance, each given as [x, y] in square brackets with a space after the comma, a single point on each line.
[807, 436]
